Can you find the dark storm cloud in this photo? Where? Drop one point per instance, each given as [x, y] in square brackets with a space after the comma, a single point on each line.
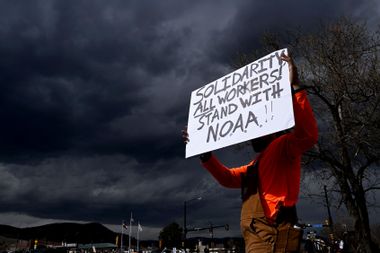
[70, 68]
[102, 188]
[83, 82]
[254, 18]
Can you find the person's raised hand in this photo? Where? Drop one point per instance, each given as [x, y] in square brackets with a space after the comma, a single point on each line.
[185, 135]
[293, 74]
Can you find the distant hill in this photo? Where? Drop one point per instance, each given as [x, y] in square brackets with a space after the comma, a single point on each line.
[8, 231]
[62, 232]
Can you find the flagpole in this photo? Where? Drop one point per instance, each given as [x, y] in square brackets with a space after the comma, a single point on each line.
[122, 233]
[139, 229]
[138, 237]
[130, 234]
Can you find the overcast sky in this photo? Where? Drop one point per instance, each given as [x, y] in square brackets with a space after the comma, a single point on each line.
[94, 95]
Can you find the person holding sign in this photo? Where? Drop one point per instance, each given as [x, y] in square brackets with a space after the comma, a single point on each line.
[271, 182]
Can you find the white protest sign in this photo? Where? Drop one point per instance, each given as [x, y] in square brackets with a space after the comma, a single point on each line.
[253, 101]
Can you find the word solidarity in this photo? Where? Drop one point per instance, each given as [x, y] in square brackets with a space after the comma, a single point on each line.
[240, 105]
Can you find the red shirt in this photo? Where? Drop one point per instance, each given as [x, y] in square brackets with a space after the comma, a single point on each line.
[280, 162]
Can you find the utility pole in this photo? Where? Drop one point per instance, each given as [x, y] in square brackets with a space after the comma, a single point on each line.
[328, 208]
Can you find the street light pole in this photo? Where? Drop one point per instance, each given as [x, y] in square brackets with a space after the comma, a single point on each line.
[185, 215]
[184, 220]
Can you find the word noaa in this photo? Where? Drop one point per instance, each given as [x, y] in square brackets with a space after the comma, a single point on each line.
[221, 106]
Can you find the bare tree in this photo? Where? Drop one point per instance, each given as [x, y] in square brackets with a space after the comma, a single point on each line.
[340, 66]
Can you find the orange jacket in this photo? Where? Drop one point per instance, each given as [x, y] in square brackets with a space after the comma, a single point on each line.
[280, 162]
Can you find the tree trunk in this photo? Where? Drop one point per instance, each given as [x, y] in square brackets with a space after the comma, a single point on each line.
[355, 203]
[362, 223]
